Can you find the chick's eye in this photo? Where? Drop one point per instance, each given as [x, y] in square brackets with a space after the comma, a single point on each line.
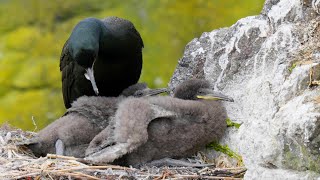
[138, 94]
[200, 92]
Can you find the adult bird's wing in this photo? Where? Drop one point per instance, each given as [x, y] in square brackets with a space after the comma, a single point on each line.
[74, 82]
[66, 67]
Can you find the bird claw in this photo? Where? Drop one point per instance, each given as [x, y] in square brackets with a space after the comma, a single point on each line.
[108, 154]
[93, 148]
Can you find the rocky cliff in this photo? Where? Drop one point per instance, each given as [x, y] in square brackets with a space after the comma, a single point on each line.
[269, 64]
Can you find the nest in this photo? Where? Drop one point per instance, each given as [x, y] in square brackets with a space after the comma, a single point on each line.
[17, 162]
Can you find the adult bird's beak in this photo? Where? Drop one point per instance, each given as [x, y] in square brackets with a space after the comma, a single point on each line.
[214, 95]
[153, 92]
[90, 76]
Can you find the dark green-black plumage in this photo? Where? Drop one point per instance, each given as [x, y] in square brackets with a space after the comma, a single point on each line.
[101, 57]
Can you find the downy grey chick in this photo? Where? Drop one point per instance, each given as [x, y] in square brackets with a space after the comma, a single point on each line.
[71, 134]
[146, 129]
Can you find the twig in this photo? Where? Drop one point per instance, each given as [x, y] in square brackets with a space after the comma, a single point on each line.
[54, 156]
[25, 175]
[205, 177]
[235, 168]
[50, 177]
[76, 175]
[56, 172]
[34, 123]
[204, 169]
[237, 174]
[93, 167]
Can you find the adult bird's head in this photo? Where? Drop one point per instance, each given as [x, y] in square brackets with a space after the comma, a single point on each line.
[84, 46]
[194, 89]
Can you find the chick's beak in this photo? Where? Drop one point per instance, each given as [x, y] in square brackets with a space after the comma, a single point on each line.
[153, 92]
[214, 95]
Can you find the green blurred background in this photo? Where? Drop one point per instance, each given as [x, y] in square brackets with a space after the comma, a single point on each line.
[32, 34]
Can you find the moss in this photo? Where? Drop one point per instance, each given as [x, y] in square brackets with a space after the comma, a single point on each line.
[312, 161]
[232, 124]
[226, 150]
[291, 160]
[298, 157]
[294, 65]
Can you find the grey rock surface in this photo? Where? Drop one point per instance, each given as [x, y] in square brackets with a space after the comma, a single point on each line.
[269, 64]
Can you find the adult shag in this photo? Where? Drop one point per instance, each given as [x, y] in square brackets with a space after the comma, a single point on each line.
[101, 57]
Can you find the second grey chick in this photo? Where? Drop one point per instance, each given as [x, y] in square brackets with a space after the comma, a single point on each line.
[71, 134]
[160, 127]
